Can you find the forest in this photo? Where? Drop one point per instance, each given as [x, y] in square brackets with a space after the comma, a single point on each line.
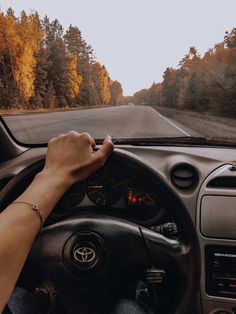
[201, 84]
[44, 67]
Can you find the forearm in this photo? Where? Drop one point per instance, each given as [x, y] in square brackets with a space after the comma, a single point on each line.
[70, 158]
[19, 225]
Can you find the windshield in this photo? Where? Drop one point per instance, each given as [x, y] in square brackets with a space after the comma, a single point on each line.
[143, 70]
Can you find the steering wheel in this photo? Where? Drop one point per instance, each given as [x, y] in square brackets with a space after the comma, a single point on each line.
[95, 252]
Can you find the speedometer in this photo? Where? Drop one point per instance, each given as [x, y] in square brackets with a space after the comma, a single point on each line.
[105, 187]
[71, 199]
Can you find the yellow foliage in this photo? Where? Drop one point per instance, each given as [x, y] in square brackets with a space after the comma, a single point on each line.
[21, 38]
[75, 79]
[104, 83]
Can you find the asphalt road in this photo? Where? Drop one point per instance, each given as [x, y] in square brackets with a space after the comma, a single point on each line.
[119, 122]
[202, 124]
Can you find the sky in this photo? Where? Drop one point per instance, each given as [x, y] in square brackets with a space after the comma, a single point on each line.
[138, 39]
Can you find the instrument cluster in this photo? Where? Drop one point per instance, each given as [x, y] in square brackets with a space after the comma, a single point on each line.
[112, 190]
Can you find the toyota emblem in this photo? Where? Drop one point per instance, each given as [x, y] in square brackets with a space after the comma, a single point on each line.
[84, 254]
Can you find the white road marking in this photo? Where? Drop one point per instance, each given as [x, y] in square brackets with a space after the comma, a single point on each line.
[172, 123]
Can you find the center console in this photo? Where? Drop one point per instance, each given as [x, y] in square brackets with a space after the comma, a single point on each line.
[216, 227]
[220, 267]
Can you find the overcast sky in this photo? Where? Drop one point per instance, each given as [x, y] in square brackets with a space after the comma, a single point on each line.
[137, 39]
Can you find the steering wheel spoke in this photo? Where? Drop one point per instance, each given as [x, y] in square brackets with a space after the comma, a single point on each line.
[163, 250]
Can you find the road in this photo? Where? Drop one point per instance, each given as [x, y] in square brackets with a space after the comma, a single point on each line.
[202, 124]
[119, 122]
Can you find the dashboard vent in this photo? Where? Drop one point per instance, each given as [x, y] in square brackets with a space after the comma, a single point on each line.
[184, 176]
[222, 182]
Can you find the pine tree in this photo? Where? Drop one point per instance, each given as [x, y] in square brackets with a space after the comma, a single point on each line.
[58, 69]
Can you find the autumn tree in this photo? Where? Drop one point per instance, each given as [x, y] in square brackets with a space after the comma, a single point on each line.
[77, 46]
[29, 36]
[7, 82]
[74, 78]
[140, 97]
[101, 82]
[170, 87]
[41, 66]
[19, 43]
[202, 84]
[116, 93]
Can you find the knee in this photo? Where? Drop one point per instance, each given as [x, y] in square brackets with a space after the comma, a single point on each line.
[127, 307]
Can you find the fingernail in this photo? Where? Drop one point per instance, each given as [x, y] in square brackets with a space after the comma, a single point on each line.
[109, 137]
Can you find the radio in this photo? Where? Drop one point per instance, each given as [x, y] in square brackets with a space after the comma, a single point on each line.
[220, 265]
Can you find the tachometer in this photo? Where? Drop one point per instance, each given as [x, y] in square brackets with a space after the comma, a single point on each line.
[105, 187]
[71, 199]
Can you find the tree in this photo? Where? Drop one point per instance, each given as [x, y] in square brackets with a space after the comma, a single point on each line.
[58, 69]
[116, 93]
[140, 98]
[19, 44]
[74, 78]
[42, 77]
[10, 12]
[28, 43]
[170, 87]
[77, 46]
[205, 84]
[101, 82]
[95, 88]
[41, 66]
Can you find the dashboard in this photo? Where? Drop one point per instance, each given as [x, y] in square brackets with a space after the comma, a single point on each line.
[115, 190]
[204, 179]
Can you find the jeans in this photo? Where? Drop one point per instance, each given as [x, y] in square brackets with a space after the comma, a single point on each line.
[131, 307]
[23, 302]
